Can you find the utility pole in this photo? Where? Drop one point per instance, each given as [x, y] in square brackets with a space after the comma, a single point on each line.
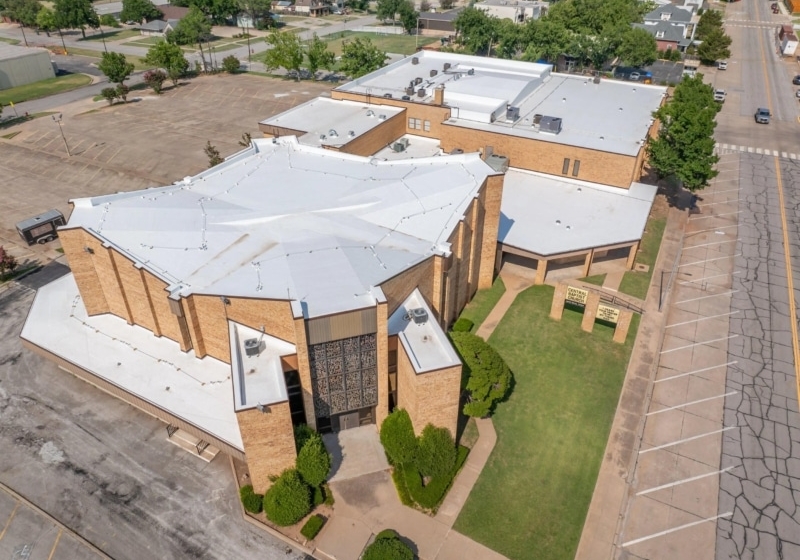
[24, 38]
[416, 37]
[62, 41]
[61, 128]
[103, 37]
[247, 32]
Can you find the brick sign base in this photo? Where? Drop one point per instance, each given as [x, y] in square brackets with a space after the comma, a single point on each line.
[591, 309]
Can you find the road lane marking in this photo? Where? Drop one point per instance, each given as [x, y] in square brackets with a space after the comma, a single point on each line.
[680, 441]
[702, 319]
[677, 406]
[679, 482]
[708, 296]
[678, 528]
[696, 371]
[698, 344]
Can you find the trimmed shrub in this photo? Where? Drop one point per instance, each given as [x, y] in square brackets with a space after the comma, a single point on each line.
[231, 64]
[155, 79]
[109, 94]
[387, 534]
[318, 496]
[463, 325]
[398, 439]
[388, 549]
[488, 374]
[436, 451]
[314, 461]
[313, 526]
[251, 501]
[398, 477]
[288, 500]
[302, 434]
[431, 495]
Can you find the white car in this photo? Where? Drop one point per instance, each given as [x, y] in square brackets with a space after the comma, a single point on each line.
[797, 93]
[720, 95]
[722, 64]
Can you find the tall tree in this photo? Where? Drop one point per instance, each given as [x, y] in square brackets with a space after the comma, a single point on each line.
[286, 52]
[387, 9]
[544, 40]
[685, 143]
[46, 20]
[360, 57]
[638, 48]
[408, 16]
[169, 57]
[319, 56]
[193, 28]
[22, 11]
[447, 4]
[709, 20]
[714, 47]
[116, 67]
[217, 10]
[138, 10]
[75, 14]
[258, 10]
[476, 30]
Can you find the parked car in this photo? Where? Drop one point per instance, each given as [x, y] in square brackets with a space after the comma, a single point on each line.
[762, 115]
[722, 64]
[720, 95]
[774, 6]
[634, 76]
[797, 93]
[796, 80]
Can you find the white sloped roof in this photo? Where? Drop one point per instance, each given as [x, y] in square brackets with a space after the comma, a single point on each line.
[281, 220]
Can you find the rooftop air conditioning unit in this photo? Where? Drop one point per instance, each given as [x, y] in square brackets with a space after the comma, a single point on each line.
[415, 60]
[498, 163]
[421, 92]
[550, 124]
[400, 145]
[410, 90]
[419, 315]
[417, 81]
[470, 72]
[407, 97]
[446, 67]
[252, 346]
[387, 95]
[537, 120]
[512, 113]
[434, 72]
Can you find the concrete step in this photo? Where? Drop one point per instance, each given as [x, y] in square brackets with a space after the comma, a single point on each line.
[188, 442]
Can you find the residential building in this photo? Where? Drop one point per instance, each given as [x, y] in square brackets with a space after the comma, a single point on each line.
[313, 8]
[438, 23]
[518, 11]
[673, 26]
[158, 27]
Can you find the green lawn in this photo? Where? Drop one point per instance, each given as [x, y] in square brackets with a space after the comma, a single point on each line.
[44, 88]
[10, 41]
[133, 59]
[113, 35]
[398, 44]
[532, 497]
[635, 283]
[483, 302]
[596, 279]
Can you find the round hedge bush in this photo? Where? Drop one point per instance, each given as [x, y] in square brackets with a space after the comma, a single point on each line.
[314, 461]
[251, 501]
[390, 548]
[489, 378]
[398, 439]
[288, 500]
[436, 455]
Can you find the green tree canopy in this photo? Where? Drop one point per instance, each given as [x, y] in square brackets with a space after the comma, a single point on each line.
[138, 10]
[109, 21]
[75, 14]
[217, 10]
[398, 439]
[286, 52]
[169, 57]
[46, 20]
[387, 9]
[714, 47]
[544, 40]
[489, 377]
[709, 20]
[314, 461]
[638, 48]
[193, 28]
[319, 56]
[476, 30]
[408, 15]
[360, 57]
[684, 146]
[22, 11]
[288, 500]
[436, 452]
[258, 10]
[115, 66]
[388, 549]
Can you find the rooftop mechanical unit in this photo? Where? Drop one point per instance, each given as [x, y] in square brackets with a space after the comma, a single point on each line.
[400, 145]
[418, 315]
[512, 113]
[252, 346]
[550, 124]
[497, 162]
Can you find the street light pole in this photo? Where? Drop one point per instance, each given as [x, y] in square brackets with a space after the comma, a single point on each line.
[103, 37]
[62, 41]
[60, 127]
[24, 38]
[247, 32]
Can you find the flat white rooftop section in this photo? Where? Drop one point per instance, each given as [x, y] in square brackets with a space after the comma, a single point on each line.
[285, 221]
[609, 116]
[329, 122]
[418, 147]
[426, 344]
[590, 215]
[11, 52]
[132, 358]
[257, 379]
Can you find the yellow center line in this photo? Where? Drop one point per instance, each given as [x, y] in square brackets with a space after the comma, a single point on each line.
[10, 519]
[787, 256]
[55, 544]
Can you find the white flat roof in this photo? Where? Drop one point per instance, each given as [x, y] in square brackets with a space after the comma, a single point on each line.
[329, 122]
[418, 147]
[257, 379]
[132, 358]
[610, 116]
[590, 215]
[281, 220]
[426, 344]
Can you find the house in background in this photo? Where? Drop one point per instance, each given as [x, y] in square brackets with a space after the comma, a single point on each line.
[313, 8]
[518, 11]
[672, 26]
[158, 27]
[667, 36]
[438, 24]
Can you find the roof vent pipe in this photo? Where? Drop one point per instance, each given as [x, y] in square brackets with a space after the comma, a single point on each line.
[415, 60]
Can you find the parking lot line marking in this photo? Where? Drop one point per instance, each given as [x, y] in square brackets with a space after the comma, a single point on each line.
[706, 277]
[698, 344]
[684, 481]
[758, 151]
[678, 528]
[709, 244]
[749, 150]
[715, 228]
[708, 296]
[702, 319]
[784, 155]
[793, 156]
[55, 544]
[10, 519]
[716, 215]
[677, 406]
[720, 202]
[680, 441]
[695, 371]
[726, 190]
[710, 260]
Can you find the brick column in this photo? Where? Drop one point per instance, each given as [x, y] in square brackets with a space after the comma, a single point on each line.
[623, 324]
[268, 439]
[304, 370]
[382, 408]
[557, 307]
[541, 272]
[587, 264]
[632, 255]
[590, 311]
[491, 224]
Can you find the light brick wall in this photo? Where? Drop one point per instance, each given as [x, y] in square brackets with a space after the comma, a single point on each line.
[134, 292]
[304, 370]
[429, 398]
[168, 323]
[73, 242]
[268, 440]
[492, 197]
[382, 409]
[398, 288]
[379, 137]
[193, 324]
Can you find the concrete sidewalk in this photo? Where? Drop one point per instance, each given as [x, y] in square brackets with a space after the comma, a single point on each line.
[610, 494]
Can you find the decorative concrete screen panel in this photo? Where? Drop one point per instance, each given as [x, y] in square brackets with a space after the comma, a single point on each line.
[344, 374]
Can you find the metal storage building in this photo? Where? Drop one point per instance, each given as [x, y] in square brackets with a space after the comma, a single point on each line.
[23, 65]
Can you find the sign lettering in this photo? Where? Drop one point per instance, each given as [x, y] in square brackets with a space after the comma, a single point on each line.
[576, 295]
[608, 314]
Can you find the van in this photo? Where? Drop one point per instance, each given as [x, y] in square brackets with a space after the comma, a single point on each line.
[42, 228]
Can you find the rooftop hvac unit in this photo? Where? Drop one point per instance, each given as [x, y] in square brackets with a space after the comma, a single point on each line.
[537, 120]
[419, 315]
[252, 346]
[415, 60]
[407, 97]
[470, 72]
[512, 113]
[417, 81]
[550, 124]
[410, 90]
[387, 95]
[456, 151]
[498, 163]
[596, 79]
[446, 67]
[434, 72]
[400, 145]
[421, 92]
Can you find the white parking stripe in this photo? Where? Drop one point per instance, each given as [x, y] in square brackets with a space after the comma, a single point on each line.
[758, 150]
[710, 260]
[691, 403]
[716, 215]
[708, 296]
[680, 441]
[784, 155]
[678, 528]
[702, 319]
[706, 277]
[709, 244]
[684, 481]
[698, 344]
[726, 364]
